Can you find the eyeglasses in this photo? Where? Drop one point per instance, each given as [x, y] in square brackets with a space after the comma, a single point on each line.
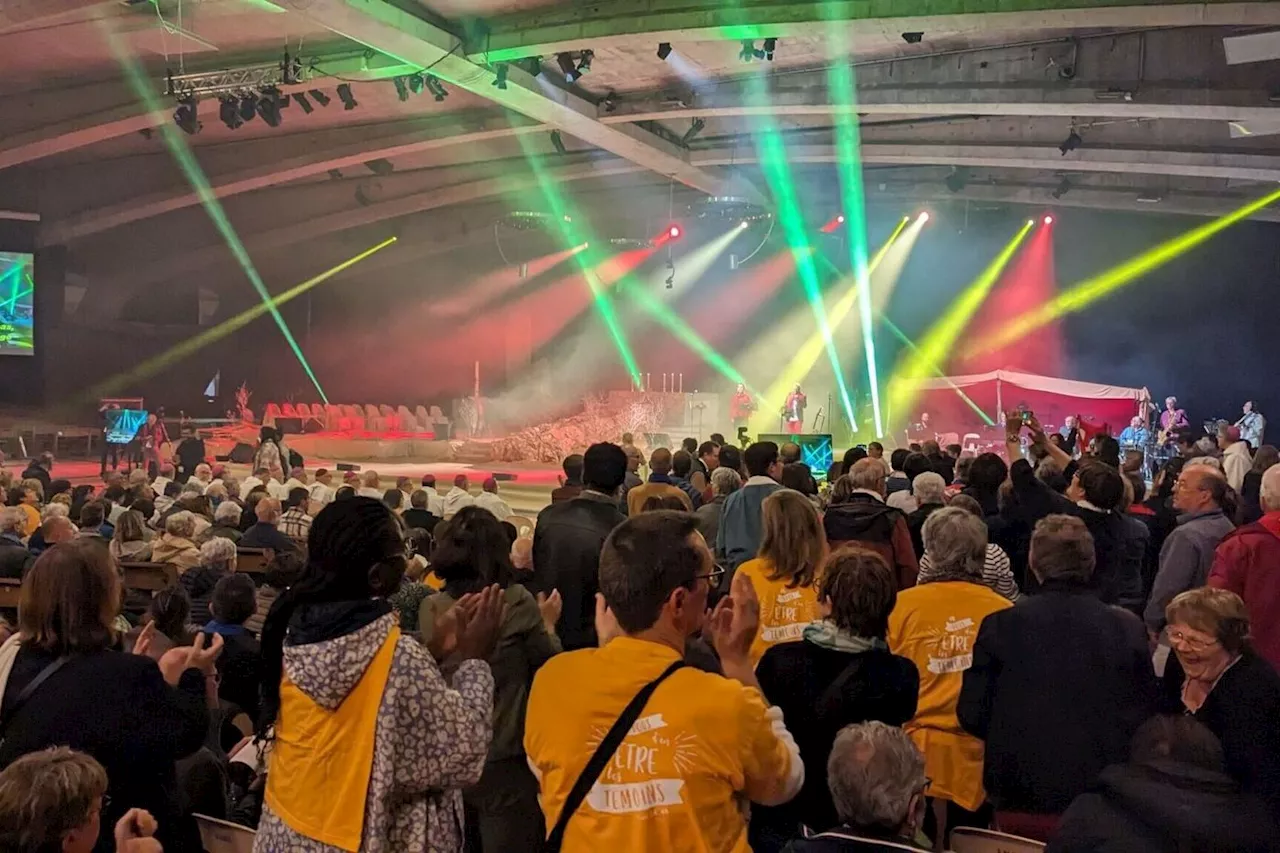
[714, 575]
[1193, 643]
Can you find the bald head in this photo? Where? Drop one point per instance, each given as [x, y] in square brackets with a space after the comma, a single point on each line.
[1271, 489]
[57, 528]
[267, 510]
[1200, 488]
[660, 461]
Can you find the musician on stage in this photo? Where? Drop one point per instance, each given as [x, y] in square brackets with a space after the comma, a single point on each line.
[741, 405]
[1135, 436]
[793, 411]
[1252, 425]
[1070, 432]
[1172, 420]
[922, 430]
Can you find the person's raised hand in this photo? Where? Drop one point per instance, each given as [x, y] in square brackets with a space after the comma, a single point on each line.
[143, 644]
[1037, 431]
[202, 658]
[135, 832]
[1012, 423]
[607, 626]
[480, 636]
[550, 607]
[450, 624]
[735, 620]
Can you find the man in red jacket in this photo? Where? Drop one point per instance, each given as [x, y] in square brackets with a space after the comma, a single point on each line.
[1247, 562]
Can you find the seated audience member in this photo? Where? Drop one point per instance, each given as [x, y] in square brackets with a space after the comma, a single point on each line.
[913, 466]
[93, 521]
[841, 672]
[239, 666]
[52, 800]
[567, 542]
[257, 480]
[249, 514]
[283, 571]
[114, 706]
[298, 480]
[419, 515]
[1057, 685]
[394, 499]
[1246, 562]
[56, 530]
[996, 572]
[655, 575]
[1251, 491]
[36, 543]
[217, 560]
[571, 483]
[130, 542]
[295, 522]
[1187, 554]
[457, 497]
[266, 533]
[337, 674]
[722, 485]
[344, 492]
[15, 559]
[681, 467]
[934, 624]
[792, 551]
[473, 554]
[176, 546]
[1226, 685]
[1172, 795]
[488, 499]
[170, 611]
[1236, 458]
[407, 600]
[878, 785]
[858, 514]
[226, 522]
[738, 537]
[660, 484]
[321, 491]
[897, 480]
[405, 486]
[369, 486]
[653, 503]
[929, 492]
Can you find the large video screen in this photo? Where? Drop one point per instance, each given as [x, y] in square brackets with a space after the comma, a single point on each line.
[17, 303]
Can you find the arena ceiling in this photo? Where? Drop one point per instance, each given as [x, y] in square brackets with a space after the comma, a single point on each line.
[976, 109]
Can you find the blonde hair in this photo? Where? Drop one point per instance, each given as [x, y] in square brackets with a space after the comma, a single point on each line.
[47, 794]
[792, 538]
[1219, 612]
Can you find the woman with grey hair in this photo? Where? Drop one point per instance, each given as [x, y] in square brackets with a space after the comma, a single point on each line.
[996, 571]
[935, 624]
[724, 482]
[226, 522]
[15, 559]
[878, 783]
[929, 490]
[217, 559]
[177, 546]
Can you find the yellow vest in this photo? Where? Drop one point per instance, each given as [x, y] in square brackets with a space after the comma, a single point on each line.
[784, 610]
[321, 760]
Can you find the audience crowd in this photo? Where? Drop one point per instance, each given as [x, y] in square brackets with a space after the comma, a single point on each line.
[701, 650]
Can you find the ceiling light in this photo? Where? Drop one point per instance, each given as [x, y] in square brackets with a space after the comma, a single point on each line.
[348, 100]
[557, 142]
[694, 129]
[268, 106]
[301, 100]
[319, 97]
[584, 62]
[913, 38]
[770, 45]
[664, 50]
[840, 219]
[500, 81]
[567, 68]
[415, 83]
[1064, 187]
[402, 89]
[186, 116]
[923, 217]
[1071, 143]
[1149, 199]
[436, 88]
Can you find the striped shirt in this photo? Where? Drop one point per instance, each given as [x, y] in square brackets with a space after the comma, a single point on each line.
[995, 572]
[295, 524]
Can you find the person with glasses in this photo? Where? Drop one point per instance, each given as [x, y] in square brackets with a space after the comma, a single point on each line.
[370, 744]
[1221, 681]
[696, 745]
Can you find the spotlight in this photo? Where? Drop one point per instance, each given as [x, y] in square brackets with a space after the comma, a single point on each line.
[301, 100]
[229, 112]
[558, 143]
[269, 106]
[319, 97]
[416, 83]
[694, 129]
[1071, 143]
[674, 232]
[186, 116]
[957, 180]
[348, 99]
[750, 51]
[840, 219]
[671, 275]
[664, 50]
[1048, 220]
[1064, 187]
[248, 107]
[402, 89]
[923, 217]
[436, 88]
[534, 65]
[743, 225]
[913, 38]
[584, 62]
[1030, 222]
[567, 68]
[500, 81]
[770, 45]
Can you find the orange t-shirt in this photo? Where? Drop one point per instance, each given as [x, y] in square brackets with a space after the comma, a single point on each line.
[784, 610]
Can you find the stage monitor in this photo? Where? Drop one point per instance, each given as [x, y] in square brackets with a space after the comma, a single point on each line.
[815, 449]
[17, 303]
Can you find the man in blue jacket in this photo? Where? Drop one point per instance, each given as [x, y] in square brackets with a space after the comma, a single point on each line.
[738, 538]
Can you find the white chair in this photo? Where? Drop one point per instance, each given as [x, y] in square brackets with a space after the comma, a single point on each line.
[220, 836]
[970, 442]
[967, 839]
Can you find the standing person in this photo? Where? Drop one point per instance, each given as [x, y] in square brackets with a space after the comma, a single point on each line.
[1172, 420]
[567, 542]
[488, 499]
[793, 410]
[321, 490]
[154, 436]
[1236, 459]
[1070, 432]
[741, 405]
[1245, 563]
[295, 521]
[1056, 687]
[472, 555]
[634, 460]
[840, 672]
[858, 514]
[41, 468]
[1251, 491]
[114, 706]
[897, 480]
[661, 484]
[268, 455]
[738, 538]
[1252, 425]
[935, 624]
[339, 679]
[571, 483]
[783, 573]
[1135, 436]
[435, 500]
[189, 453]
[15, 559]
[649, 792]
[929, 491]
[109, 413]
[724, 482]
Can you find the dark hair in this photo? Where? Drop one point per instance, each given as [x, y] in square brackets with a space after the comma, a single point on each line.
[760, 457]
[348, 540]
[572, 465]
[57, 487]
[1177, 738]
[717, 439]
[298, 496]
[393, 498]
[875, 445]
[898, 457]
[916, 464]
[93, 514]
[968, 504]
[170, 609]
[681, 463]
[644, 560]
[1101, 484]
[145, 507]
[604, 467]
[1139, 486]
[861, 589]
[69, 598]
[284, 569]
[112, 493]
[852, 455]
[344, 493]
[690, 444]
[1168, 477]
[706, 447]
[1266, 456]
[955, 449]
[987, 473]
[235, 599]
[172, 489]
[472, 551]
[657, 502]
[1107, 450]
[510, 531]
[798, 476]
[730, 457]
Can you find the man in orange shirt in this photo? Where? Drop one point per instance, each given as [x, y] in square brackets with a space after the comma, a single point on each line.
[699, 746]
[661, 484]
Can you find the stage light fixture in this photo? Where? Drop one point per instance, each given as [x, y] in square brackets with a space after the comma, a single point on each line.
[1071, 143]
[664, 50]
[913, 37]
[500, 81]
[1063, 187]
[840, 219]
[415, 82]
[584, 62]
[1030, 222]
[268, 106]
[301, 100]
[1048, 220]
[743, 225]
[436, 88]
[557, 142]
[610, 102]
[674, 232]
[229, 112]
[923, 217]
[186, 116]
[694, 129]
[348, 99]
[248, 107]
[750, 51]
[957, 180]
[567, 68]
[402, 88]
[671, 274]
[319, 97]
[770, 45]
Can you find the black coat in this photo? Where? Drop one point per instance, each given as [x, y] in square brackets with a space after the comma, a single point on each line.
[915, 523]
[421, 518]
[36, 471]
[796, 677]
[566, 556]
[1058, 685]
[842, 839]
[117, 708]
[15, 559]
[1164, 807]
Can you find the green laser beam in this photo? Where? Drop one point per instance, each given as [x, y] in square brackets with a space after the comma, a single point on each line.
[13, 300]
[936, 370]
[137, 80]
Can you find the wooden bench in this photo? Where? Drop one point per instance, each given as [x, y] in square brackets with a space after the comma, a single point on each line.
[149, 577]
[251, 560]
[10, 592]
